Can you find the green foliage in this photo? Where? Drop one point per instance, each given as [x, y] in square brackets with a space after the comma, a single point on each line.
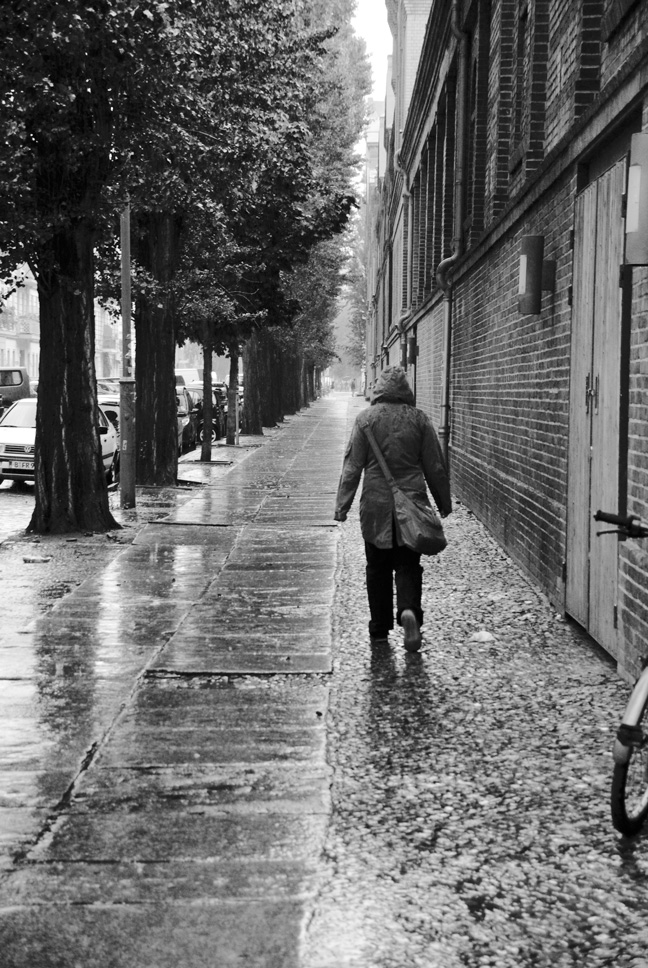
[355, 294]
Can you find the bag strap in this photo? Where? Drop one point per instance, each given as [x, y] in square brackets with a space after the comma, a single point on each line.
[379, 457]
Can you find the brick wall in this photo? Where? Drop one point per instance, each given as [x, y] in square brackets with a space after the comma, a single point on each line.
[633, 578]
[429, 368]
[509, 433]
[628, 26]
[510, 397]
[499, 108]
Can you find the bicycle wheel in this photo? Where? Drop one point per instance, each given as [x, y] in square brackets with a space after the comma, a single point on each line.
[629, 801]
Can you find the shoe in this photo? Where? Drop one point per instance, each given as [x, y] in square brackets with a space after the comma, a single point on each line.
[379, 640]
[412, 631]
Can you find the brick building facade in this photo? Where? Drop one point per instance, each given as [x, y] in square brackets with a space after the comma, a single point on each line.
[517, 130]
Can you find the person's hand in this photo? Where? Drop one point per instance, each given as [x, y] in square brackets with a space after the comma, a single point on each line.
[340, 516]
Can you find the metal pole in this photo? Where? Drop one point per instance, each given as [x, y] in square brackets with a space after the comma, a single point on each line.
[127, 382]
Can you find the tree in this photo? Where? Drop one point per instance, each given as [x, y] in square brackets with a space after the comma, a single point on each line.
[207, 116]
[335, 122]
[355, 293]
[80, 88]
[256, 199]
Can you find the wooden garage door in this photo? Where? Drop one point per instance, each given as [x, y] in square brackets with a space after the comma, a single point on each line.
[595, 405]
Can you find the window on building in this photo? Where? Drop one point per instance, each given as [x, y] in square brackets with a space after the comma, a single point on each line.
[478, 31]
[531, 46]
[521, 69]
[588, 80]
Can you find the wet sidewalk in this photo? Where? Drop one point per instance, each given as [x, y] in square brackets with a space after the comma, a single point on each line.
[163, 780]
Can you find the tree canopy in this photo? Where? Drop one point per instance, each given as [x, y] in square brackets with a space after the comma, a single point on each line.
[229, 125]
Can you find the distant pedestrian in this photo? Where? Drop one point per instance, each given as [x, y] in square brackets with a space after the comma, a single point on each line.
[353, 385]
[411, 449]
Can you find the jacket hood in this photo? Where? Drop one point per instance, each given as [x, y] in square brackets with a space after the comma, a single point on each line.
[392, 387]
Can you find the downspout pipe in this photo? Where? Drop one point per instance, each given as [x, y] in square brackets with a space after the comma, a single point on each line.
[445, 267]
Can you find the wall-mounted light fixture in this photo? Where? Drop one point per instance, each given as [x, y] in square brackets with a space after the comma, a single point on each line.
[636, 253]
[536, 275]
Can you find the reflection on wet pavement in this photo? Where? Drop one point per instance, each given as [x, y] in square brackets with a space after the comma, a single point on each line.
[163, 723]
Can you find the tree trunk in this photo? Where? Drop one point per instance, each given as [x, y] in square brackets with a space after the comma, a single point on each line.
[206, 447]
[310, 371]
[269, 378]
[254, 376]
[156, 419]
[71, 492]
[232, 396]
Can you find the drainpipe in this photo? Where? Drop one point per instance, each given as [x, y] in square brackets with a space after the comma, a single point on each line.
[445, 267]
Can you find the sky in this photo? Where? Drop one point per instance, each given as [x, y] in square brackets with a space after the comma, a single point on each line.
[370, 23]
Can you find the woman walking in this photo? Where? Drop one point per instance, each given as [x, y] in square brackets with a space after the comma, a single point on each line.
[411, 449]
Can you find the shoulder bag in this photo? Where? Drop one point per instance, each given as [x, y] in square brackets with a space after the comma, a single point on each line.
[418, 526]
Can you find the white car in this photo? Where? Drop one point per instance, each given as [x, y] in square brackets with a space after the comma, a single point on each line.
[110, 403]
[18, 433]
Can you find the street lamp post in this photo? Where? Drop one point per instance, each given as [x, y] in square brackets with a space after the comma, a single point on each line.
[127, 382]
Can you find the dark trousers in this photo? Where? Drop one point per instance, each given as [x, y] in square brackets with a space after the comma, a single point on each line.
[383, 566]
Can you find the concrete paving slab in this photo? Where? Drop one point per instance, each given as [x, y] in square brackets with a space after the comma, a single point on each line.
[280, 578]
[145, 620]
[17, 825]
[253, 617]
[141, 746]
[154, 936]
[16, 662]
[225, 594]
[166, 836]
[259, 560]
[33, 788]
[147, 792]
[251, 785]
[167, 535]
[303, 543]
[200, 658]
[291, 704]
[139, 580]
[154, 883]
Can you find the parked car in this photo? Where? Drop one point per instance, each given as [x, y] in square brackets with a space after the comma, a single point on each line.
[18, 436]
[14, 385]
[110, 403]
[219, 409]
[188, 375]
[108, 384]
[187, 421]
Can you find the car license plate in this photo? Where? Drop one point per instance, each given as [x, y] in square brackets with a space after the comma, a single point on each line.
[19, 465]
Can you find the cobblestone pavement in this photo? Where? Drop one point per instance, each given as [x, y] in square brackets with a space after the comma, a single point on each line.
[202, 763]
[470, 822]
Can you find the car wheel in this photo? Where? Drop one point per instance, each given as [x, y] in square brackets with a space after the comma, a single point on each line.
[214, 436]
